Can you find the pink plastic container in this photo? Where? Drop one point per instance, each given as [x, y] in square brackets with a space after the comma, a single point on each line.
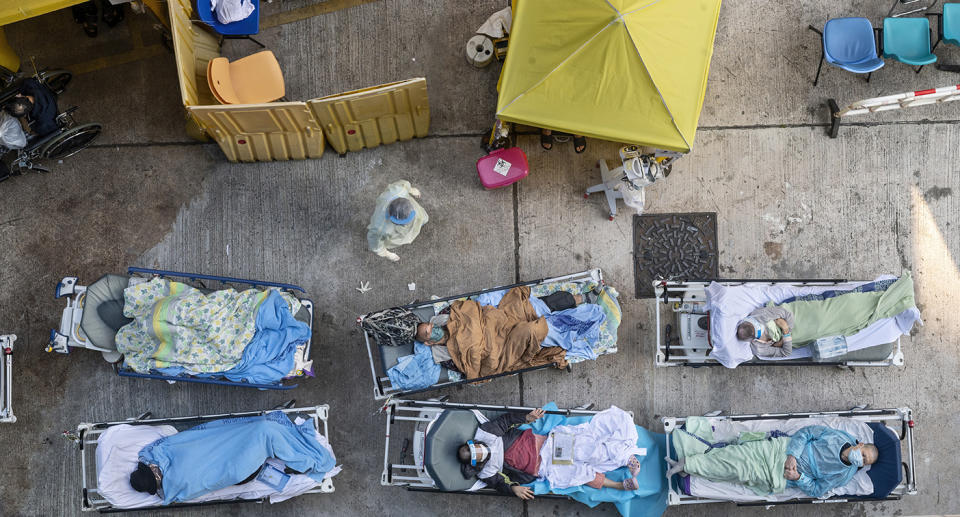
[502, 167]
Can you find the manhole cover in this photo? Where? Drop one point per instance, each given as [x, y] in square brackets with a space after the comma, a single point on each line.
[674, 247]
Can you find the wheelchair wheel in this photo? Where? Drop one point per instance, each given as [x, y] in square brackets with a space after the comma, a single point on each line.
[56, 80]
[71, 141]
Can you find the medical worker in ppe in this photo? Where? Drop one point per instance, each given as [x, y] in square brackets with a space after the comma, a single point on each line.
[396, 220]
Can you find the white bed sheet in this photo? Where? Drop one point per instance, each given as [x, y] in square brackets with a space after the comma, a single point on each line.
[118, 450]
[728, 305]
[727, 430]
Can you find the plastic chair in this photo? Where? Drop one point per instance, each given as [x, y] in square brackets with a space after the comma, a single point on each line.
[848, 43]
[253, 79]
[242, 29]
[908, 41]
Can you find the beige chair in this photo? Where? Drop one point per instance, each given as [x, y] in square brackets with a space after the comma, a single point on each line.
[250, 80]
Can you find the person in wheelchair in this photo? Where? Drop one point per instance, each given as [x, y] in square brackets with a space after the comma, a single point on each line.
[36, 107]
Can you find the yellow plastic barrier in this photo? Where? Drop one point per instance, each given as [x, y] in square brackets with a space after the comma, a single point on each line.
[289, 130]
[8, 58]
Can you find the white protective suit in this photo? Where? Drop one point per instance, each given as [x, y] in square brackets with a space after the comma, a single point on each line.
[384, 234]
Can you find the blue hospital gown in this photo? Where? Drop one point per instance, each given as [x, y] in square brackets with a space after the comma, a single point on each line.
[817, 450]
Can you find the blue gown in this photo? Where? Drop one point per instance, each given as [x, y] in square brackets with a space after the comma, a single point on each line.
[817, 450]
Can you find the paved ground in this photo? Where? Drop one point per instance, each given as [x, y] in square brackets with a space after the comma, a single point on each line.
[790, 203]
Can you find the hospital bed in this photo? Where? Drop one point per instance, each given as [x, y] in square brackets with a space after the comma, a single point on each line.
[6, 379]
[890, 478]
[685, 339]
[92, 497]
[382, 358]
[434, 429]
[94, 314]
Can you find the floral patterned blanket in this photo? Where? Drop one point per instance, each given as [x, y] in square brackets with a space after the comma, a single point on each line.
[178, 325]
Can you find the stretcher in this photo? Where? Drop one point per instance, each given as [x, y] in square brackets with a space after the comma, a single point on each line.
[890, 478]
[6, 379]
[92, 497]
[434, 428]
[94, 314]
[383, 357]
[684, 337]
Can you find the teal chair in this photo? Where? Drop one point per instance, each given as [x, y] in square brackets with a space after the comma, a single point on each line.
[908, 41]
[948, 27]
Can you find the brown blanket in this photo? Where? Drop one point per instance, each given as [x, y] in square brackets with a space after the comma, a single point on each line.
[486, 340]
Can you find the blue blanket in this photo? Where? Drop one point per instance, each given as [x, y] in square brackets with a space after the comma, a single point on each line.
[270, 355]
[413, 372]
[649, 500]
[576, 330]
[224, 452]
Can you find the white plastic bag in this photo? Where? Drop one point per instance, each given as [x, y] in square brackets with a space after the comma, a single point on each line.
[11, 132]
[229, 11]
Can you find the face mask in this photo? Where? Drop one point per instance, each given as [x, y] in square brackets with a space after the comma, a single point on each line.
[436, 334]
[855, 457]
[478, 453]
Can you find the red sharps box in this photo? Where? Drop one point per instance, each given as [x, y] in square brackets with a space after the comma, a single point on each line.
[502, 167]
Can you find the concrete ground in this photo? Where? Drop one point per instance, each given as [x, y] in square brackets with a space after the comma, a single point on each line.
[791, 203]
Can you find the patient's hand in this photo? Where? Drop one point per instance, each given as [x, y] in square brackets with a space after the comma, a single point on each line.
[782, 324]
[522, 492]
[777, 344]
[790, 469]
[534, 415]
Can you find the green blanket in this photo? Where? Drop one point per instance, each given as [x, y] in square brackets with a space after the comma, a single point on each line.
[849, 313]
[177, 325]
[752, 462]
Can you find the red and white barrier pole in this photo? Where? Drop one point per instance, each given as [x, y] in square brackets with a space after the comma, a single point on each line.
[890, 102]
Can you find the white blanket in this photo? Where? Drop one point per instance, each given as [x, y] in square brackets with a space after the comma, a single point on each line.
[229, 11]
[603, 444]
[727, 430]
[118, 450]
[728, 305]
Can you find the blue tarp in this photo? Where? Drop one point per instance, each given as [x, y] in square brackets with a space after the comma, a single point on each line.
[413, 372]
[649, 500]
[224, 452]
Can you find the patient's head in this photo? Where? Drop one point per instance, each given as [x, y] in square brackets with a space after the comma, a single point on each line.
[143, 480]
[745, 331]
[473, 453]
[18, 106]
[867, 451]
[429, 333]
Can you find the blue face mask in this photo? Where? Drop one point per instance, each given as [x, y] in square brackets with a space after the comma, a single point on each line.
[855, 457]
[436, 334]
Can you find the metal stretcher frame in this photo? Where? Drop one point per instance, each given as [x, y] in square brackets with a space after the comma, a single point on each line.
[415, 477]
[6, 379]
[74, 293]
[382, 388]
[901, 416]
[90, 498]
[675, 291]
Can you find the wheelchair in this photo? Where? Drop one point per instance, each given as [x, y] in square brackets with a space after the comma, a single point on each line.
[68, 139]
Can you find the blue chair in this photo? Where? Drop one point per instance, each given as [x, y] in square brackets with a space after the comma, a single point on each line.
[848, 43]
[242, 29]
[908, 41]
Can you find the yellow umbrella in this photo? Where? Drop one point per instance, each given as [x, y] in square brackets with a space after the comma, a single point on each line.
[631, 71]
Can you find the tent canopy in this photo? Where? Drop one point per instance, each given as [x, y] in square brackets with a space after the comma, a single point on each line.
[631, 71]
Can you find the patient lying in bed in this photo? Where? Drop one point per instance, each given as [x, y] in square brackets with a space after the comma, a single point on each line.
[816, 459]
[227, 452]
[493, 335]
[607, 442]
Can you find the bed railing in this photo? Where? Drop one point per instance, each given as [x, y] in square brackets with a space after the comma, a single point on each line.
[88, 433]
[902, 417]
[381, 387]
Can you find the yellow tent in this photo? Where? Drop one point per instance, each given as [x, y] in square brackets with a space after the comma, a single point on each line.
[631, 71]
